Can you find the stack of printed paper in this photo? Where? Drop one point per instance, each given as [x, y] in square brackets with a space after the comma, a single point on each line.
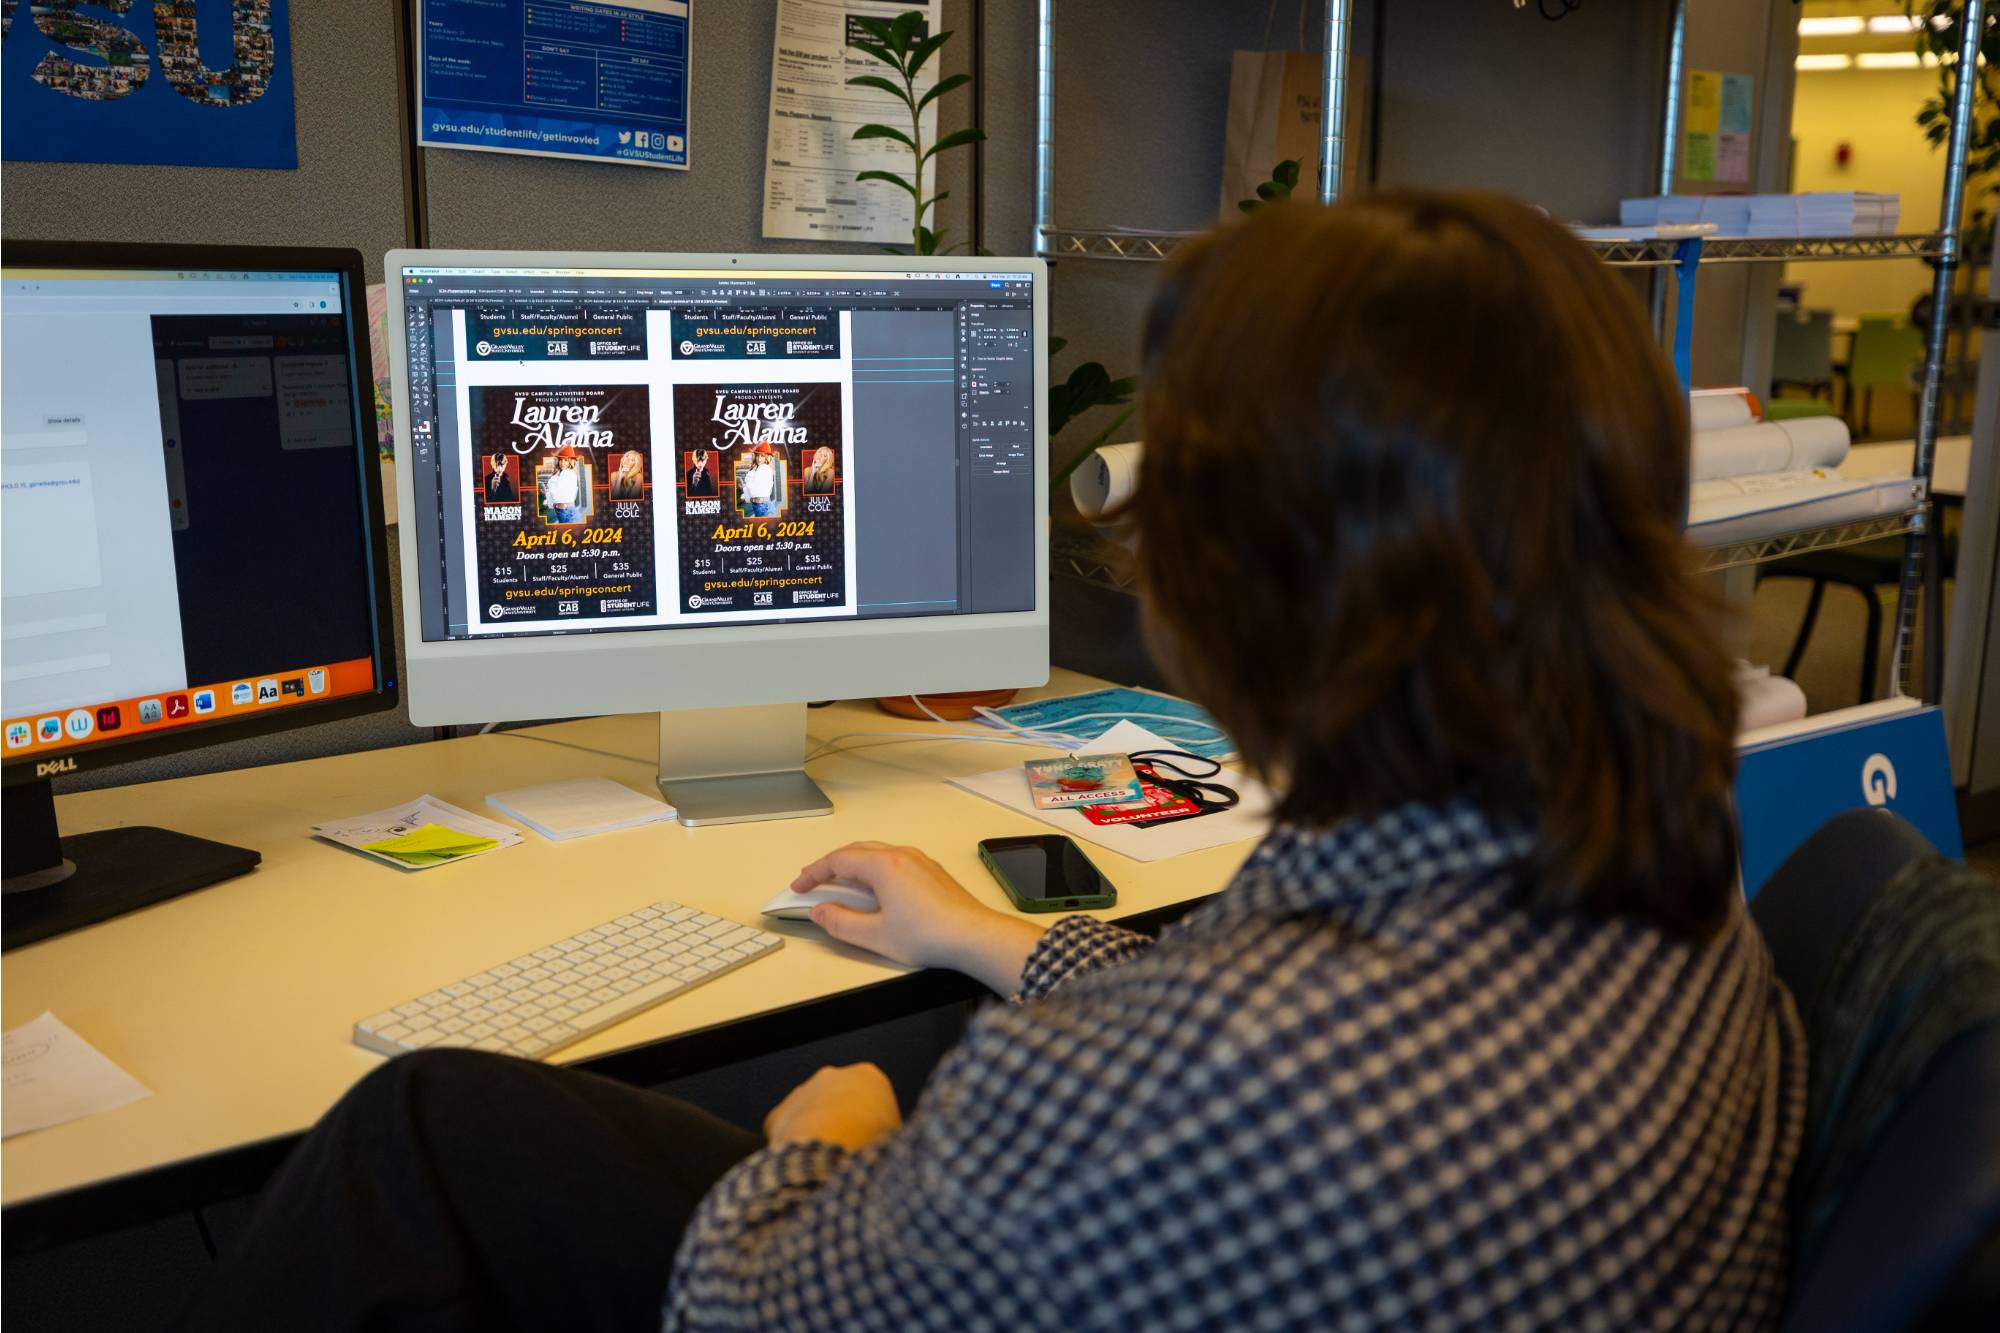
[580, 807]
[1729, 212]
[1825, 213]
[419, 834]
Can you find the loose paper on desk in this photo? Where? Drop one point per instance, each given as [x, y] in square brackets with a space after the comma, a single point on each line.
[420, 834]
[53, 1076]
[580, 806]
[1249, 819]
[810, 156]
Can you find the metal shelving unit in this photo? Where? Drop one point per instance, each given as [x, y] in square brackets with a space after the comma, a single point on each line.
[1683, 257]
[1139, 246]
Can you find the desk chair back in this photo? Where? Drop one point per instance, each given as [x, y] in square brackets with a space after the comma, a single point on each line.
[1888, 353]
[1893, 955]
[1802, 352]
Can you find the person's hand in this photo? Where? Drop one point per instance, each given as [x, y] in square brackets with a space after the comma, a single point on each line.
[924, 917]
[851, 1105]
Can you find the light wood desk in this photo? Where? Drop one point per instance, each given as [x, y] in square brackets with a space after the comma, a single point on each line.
[1950, 467]
[235, 1004]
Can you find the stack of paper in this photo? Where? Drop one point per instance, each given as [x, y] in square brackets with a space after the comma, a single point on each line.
[579, 807]
[1729, 212]
[419, 834]
[1825, 213]
[1737, 509]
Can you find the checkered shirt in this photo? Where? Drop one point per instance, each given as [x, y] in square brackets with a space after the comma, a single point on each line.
[1363, 1088]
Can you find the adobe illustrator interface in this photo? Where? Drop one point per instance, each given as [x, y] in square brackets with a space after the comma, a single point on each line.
[597, 450]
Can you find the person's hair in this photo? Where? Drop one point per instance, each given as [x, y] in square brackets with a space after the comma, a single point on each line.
[1410, 525]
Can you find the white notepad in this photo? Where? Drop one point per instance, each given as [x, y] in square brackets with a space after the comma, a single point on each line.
[579, 807]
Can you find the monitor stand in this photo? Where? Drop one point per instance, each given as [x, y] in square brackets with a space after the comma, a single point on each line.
[53, 885]
[736, 765]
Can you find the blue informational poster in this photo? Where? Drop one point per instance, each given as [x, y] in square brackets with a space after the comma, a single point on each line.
[557, 78]
[199, 83]
[1786, 789]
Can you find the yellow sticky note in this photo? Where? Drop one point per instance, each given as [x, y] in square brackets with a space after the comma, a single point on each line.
[433, 840]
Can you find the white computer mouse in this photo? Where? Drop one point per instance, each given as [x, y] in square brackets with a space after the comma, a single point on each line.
[789, 906]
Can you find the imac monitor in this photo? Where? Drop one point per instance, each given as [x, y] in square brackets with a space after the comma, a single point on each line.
[193, 548]
[717, 487]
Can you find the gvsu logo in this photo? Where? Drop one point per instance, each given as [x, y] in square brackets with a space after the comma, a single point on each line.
[1878, 779]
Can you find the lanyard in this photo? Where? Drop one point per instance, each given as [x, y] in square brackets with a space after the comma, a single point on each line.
[1170, 771]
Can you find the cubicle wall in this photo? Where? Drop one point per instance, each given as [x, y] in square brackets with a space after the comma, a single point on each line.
[348, 189]
[1462, 92]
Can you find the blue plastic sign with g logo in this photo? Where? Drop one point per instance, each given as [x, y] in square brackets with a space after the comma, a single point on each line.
[1786, 789]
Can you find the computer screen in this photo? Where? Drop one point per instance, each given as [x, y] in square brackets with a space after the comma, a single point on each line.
[186, 549]
[616, 448]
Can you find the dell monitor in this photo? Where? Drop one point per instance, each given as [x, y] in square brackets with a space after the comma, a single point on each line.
[193, 547]
[716, 487]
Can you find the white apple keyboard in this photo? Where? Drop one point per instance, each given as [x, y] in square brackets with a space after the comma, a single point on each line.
[790, 906]
[544, 1000]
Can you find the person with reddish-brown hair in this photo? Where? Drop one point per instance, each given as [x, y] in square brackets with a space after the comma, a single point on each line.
[1480, 1036]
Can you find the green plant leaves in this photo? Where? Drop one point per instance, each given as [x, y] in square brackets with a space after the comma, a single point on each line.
[900, 93]
[956, 139]
[1284, 177]
[885, 132]
[903, 28]
[943, 86]
[890, 177]
[923, 51]
[881, 53]
[1089, 385]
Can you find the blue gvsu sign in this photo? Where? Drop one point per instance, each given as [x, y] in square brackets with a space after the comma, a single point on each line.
[557, 78]
[204, 83]
[1786, 789]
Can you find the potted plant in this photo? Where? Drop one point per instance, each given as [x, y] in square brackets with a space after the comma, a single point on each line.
[901, 44]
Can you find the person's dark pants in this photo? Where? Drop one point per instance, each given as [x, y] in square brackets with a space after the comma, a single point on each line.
[456, 1190]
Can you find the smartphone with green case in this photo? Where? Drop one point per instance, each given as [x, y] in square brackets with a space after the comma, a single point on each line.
[1047, 873]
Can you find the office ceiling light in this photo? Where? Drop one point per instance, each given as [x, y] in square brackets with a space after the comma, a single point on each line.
[1848, 26]
[1823, 62]
[1888, 60]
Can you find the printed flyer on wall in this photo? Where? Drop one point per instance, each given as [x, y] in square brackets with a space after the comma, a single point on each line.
[762, 525]
[564, 526]
[607, 82]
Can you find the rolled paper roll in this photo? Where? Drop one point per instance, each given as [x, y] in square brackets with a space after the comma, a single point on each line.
[1106, 480]
[1719, 410]
[1770, 446]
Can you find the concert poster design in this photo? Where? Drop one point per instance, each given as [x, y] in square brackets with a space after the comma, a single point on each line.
[562, 503]
[762, 526]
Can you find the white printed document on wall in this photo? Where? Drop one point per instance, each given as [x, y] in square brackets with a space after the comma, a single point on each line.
[811, 159]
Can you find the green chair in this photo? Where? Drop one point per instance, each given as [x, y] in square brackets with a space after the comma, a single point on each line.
[1802, 351]
[1791, 409]
[1888, 354]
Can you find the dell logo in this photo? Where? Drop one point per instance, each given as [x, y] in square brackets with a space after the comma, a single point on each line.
[48, 766]
[1878, 780]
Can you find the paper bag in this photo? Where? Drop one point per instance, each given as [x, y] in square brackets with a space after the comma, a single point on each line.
[1274, 113]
